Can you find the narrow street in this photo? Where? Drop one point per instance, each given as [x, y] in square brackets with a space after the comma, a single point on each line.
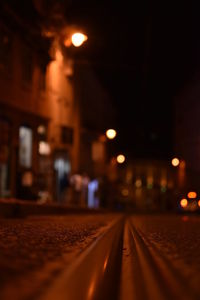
[101, 256]
[99, 150]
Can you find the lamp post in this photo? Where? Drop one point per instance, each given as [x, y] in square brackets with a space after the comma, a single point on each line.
[75, 38]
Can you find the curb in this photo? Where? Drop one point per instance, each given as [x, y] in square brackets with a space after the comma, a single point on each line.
[14, 208]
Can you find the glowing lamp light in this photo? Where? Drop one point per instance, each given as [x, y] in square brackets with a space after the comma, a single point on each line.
[111, 133]
[198, 203]
[125, 192]
[192, 195]
[175, 162]
[138, 183]
[183, 203]
[44, 148]
[41, 129]
[121, 158]
[78, 39]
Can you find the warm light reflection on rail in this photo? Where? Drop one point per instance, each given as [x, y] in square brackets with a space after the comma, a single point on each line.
[91, 289]
[105, 264]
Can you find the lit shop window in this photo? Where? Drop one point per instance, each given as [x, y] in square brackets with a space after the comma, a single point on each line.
[25, 146]
[44, 148]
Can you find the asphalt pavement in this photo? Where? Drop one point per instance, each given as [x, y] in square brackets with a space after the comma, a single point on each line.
[161, 257]
[35, 250]
[100, 256]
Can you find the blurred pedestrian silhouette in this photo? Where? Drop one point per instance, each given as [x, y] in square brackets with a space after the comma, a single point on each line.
[64, 187]
[76, 183]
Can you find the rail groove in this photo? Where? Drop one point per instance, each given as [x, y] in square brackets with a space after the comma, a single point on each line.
[96, 272]
[122, 264]
[146, 272]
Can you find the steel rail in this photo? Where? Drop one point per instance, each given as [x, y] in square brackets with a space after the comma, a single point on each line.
[95, 275]
[146, 273]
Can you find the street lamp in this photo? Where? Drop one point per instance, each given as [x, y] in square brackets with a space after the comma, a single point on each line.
[183, 203]
[192, 195]
[121, 158]
[175, 162]
[111, 134]
[78, 39]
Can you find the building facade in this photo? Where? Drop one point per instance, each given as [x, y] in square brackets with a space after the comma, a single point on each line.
[52, 116]
[147, 186]
[38, 114]
[187, 130]
[97, 114]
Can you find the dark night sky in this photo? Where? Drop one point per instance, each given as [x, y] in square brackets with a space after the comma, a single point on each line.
[144, 52]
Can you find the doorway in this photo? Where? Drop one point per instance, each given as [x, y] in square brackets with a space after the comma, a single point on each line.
[5, 139]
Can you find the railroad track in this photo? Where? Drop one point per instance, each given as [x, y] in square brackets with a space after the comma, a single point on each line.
[122, 264]
[147, 273]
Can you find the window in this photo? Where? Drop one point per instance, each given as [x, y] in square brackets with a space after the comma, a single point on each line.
[66, 135]
[25, 147]
[5, 50]
[42, 132]
[27, 64]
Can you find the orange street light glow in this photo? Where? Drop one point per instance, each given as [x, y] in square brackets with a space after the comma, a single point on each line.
[183, 203]
[78, 39]
[125, 192]
[111, 133]
[120, 158]
[198, 203]
[138, 183]
[192, 195]
[175, 162]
